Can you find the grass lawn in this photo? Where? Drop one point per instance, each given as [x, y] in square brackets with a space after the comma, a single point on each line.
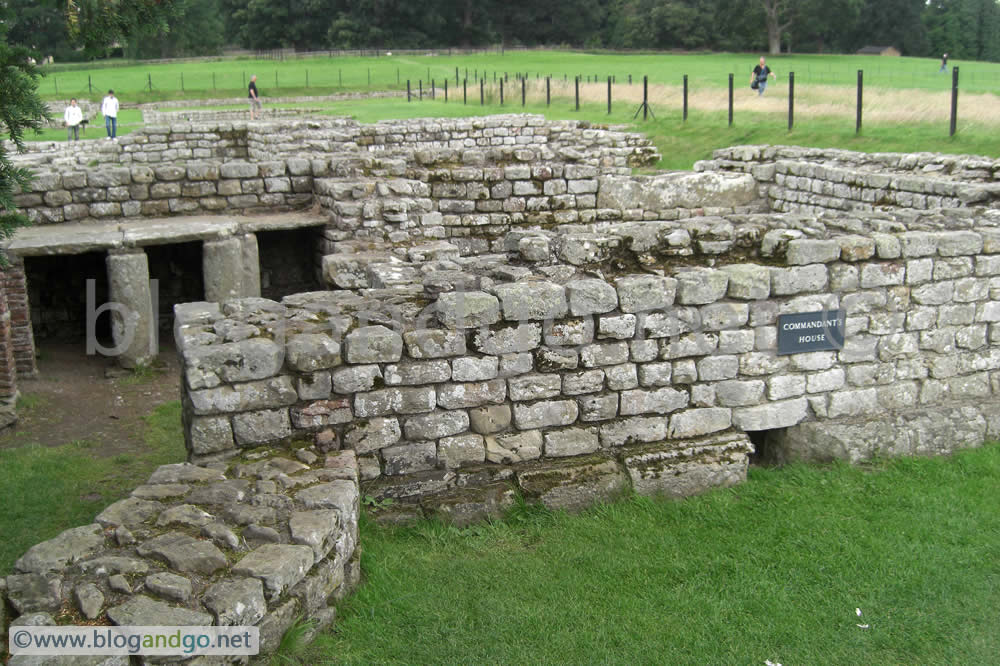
[49, 489]
[770, 570]
[219, 78]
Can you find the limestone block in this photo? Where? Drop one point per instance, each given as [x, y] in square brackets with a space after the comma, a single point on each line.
[184, 553]
[573, 484]
[436, 425]
[236, 601]
[417, 372]
[490, 419]
[701, 286]
[461, 451]
[70, 545]
[798, 279]
[142, 611]
[246, 396]
[569, 332]
[244, 361]
[373, 344]
[803, 251]
[209, 434]
[781, 414]
[277, 566]
[514, 447]
[410, 457]
[698, 422]
[311, 352]
[679, 471]
[621, 327]
[645, 293]
[656, 401]
[508, 339]
[467, 309]
[740, 393]
[466, 506]
[434, 343]
[385, 402]
[473, 394]
[365, 436]
[587, 381]
[222, 268]
[545, 413]
[321, 413]
[261, 427]
[534, 387]
[133, 326]
[355, 379]
[602, 354]
[532, 301]
[601, 407]
[571, 442]
[590, 296]
[472, 369]
[632, 430]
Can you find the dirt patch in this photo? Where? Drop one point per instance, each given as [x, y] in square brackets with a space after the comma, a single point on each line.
[73, 399]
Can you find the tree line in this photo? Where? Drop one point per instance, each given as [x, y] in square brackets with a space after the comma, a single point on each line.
[965, 29]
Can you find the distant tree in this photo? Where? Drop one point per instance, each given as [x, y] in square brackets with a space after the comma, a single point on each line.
[97, 25]
[778, 15]
[40, 25]
[21, 110]
[196, 28]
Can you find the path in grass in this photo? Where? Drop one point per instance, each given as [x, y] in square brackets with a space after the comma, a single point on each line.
[772, 569]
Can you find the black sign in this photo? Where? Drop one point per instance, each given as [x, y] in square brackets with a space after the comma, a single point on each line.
[811, 331]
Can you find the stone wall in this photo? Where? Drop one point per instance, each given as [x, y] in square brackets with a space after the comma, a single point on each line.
[262, 541]
[456, 378]
[397, 168]
[813, 179]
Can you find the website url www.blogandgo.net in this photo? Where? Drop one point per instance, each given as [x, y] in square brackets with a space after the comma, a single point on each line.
[129, 640]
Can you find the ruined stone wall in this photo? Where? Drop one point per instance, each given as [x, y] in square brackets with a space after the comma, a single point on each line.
[262, 541]
[556, 368]
[814, 180]
[192, 168]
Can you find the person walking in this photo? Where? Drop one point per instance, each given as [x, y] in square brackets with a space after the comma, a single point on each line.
[73, 117]
[254, 97]
[758, 79]
[944, 63]
[109, 109]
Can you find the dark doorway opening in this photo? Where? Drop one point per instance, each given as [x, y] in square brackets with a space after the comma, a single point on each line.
[767, 450]
[58, 297]
[177, 267]
[288, 262]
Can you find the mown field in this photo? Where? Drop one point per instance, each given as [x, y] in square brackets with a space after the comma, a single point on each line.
[774, 569]
[906, 101]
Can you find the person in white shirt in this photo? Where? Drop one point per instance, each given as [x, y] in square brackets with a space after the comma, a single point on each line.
[73, 117]
[109, 109]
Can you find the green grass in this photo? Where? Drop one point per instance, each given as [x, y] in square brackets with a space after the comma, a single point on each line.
[49, 489]
[771, 569]
[683, 143]
[129, 120]
[325, 75]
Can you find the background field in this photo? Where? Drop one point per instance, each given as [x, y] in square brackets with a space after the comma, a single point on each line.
[333, 74]
[906, 100]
